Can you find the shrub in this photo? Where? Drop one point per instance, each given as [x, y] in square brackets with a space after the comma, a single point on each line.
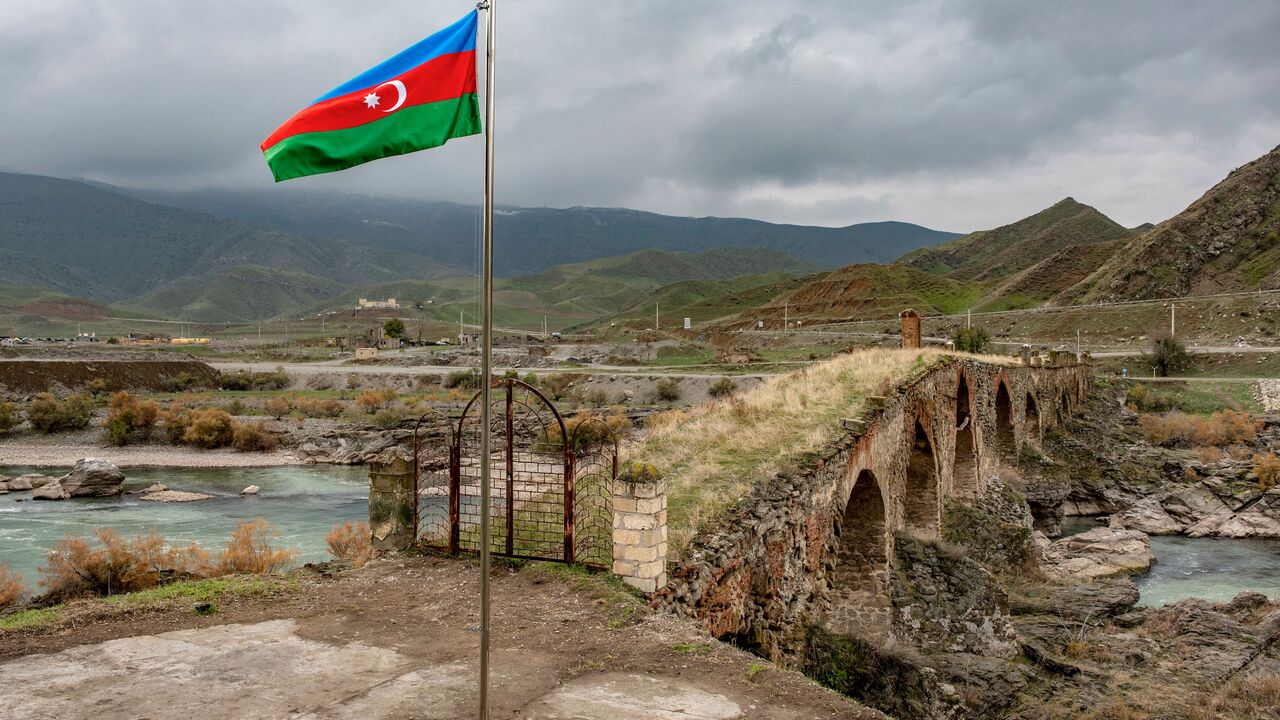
[127, 416]
[1267, 467]
[463, 380]
[236, 407]
[1142, 398]
[8, 416]
[182, 382]
[1222, 428]
[596, 397]
[245, 380]
[113, 340]
[49, 414]
[277, 407]
[351, 543]
[388, 417]
[209, 428]
[724, 387]
[372, 401]
[115, 565]
[175, 420]
[586, 431]
[1168, 357]
[11, 587]
[971, 340]
[249, 550]
[667, 390]
[250, 437]
[557, 385]
[95, 387]
[320, 407]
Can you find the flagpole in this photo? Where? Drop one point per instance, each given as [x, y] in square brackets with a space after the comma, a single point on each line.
[486, 358]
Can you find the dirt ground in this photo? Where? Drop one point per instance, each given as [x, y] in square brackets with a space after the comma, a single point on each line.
[397, 639]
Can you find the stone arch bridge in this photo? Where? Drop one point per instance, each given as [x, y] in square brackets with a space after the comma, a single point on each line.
[816, 548]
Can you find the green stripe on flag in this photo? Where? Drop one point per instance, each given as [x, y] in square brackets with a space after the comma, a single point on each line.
[407, 130]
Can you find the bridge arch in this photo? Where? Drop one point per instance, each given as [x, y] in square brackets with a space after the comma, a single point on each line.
[1031, 418]
[859, 597]
[964, 473]
[1005, 439]
[920, 502]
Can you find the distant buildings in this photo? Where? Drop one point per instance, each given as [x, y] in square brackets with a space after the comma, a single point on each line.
[388, 304]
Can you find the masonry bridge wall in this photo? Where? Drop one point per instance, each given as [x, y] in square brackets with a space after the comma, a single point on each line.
[815, 547]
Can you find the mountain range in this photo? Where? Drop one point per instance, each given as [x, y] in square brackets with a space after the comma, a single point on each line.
[237, 256]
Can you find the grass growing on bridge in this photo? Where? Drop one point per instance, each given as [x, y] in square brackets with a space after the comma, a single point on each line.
[713, 454]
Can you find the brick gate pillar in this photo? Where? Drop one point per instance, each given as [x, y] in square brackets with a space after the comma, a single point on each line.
[391, 500]
[640, 527]
[911, 338]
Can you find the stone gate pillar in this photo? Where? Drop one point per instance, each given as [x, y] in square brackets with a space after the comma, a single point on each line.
[911, 338]
[391, 500]
[640, 527]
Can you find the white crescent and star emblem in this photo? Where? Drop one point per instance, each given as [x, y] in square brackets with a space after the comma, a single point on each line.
[372, 99]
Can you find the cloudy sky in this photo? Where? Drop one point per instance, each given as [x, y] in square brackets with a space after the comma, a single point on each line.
[954, 115]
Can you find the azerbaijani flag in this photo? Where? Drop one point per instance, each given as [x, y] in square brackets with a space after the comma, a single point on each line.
[418, 99]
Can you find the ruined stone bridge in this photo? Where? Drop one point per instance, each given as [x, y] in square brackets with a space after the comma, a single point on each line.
[817, 548]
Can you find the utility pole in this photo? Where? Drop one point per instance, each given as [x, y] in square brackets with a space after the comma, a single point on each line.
[544, 327]
[461, 332]
[1173, 326]
[655, 316]
[786, 315]
[1077, 341]
[968, 322]
[259, 333]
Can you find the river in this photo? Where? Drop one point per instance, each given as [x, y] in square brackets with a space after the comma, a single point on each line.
[1215, 569]
[302, 502]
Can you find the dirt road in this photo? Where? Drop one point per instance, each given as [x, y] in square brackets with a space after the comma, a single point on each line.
[398, 640]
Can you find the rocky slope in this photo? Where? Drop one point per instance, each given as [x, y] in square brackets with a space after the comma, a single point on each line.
[1228, 240]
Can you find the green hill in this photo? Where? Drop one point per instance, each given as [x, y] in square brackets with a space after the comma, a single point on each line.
[989, 255]
[861, 292]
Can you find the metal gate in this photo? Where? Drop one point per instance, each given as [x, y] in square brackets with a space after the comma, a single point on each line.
[551, 482]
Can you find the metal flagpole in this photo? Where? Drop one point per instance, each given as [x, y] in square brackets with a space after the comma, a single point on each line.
[486, 357]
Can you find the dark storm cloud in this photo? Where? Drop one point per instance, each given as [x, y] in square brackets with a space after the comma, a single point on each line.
[958, 115]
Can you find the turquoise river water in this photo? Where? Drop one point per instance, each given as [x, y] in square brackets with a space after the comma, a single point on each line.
[1215, 569]
[302, 502]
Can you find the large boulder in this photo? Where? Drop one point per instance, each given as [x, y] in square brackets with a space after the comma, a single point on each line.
[50, 491]
[92, 477]
[1148, 516]
[1101, 552]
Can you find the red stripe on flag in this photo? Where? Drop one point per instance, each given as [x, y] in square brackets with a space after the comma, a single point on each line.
[441, 78]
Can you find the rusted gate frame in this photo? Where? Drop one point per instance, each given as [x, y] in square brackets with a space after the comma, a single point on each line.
[569, 459]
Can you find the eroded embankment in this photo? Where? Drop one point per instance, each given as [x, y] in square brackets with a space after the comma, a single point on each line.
[46, 375]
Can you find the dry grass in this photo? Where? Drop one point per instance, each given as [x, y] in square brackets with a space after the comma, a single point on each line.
[1252, 697]
[1220, 429]
[11, 587]
[351, 543]
[1208, 454]
[714, 453]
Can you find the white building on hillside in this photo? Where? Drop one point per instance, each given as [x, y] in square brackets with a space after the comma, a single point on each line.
[388, 304]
